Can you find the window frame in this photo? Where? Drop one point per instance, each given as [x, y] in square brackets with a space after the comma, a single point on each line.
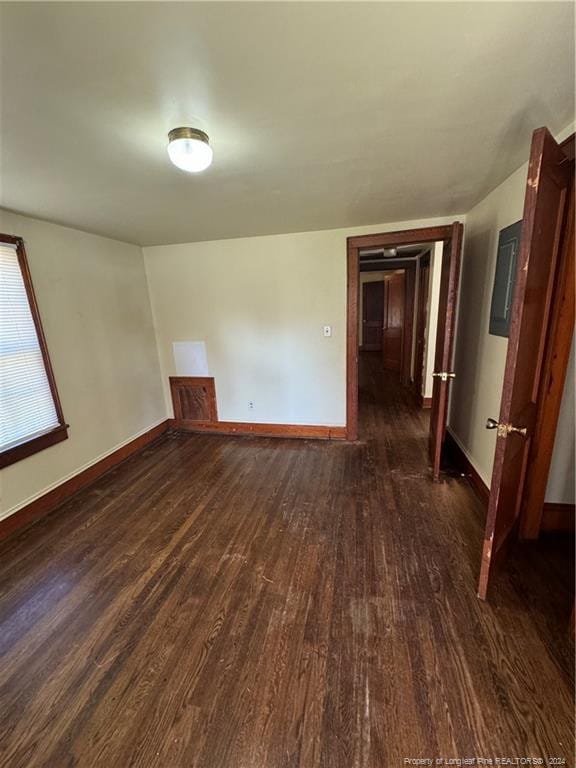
[29, 446]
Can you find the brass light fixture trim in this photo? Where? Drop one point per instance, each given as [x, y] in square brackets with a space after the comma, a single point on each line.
[188, 133]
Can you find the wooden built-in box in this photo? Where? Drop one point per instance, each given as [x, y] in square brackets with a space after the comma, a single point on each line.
[193, 399]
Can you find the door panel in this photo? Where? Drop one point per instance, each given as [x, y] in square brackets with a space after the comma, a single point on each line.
[372, 315]
[544, 206]
[444, 344]
[393, 331]
[423, 286]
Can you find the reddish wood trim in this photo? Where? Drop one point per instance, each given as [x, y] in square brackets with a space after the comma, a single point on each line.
[27, 277]
[558, 517]
[12, 455]
[401, 237]
[352, 344]
[205, 383]
[551, 390]
[49, 501]
[424, 402]
[12, 239]
[319, 432]
[30, 447]
[568, 145]
[463, 464]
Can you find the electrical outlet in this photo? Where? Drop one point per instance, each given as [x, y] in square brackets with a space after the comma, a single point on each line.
[251, 405]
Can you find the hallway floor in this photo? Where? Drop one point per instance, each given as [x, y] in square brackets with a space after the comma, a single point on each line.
[229, 602]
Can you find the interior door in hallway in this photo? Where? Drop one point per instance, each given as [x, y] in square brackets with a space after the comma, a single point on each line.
[443, 372]
[544, 209]
[393, 330]
[372, 315]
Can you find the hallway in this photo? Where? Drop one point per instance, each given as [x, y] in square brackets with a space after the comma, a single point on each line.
[229, 602]
[385, 406]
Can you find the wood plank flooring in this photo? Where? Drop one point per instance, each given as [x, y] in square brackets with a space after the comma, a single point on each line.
[228, 602]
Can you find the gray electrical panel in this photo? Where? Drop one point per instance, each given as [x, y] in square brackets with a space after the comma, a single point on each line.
[504, 279]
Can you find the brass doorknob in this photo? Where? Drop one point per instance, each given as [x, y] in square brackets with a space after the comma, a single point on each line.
[505, 429]
[444, 375]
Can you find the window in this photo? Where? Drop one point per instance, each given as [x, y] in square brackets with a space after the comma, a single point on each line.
[31, 417]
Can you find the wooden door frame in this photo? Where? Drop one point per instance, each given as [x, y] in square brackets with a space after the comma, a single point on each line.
[353, 246]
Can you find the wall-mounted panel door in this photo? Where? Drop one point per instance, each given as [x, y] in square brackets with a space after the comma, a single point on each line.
[372, 315]
[393, 331]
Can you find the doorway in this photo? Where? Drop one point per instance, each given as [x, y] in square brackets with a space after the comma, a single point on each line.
[399, 252]
[387, 300]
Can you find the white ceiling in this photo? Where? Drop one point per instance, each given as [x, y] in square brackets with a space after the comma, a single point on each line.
[321, 115]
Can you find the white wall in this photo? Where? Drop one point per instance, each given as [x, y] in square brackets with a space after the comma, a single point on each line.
[260, 304]
[562, 477]
[432, 317]
[95, 310]
[480, 358]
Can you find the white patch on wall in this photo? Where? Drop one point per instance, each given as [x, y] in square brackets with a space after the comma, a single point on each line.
[190, 358]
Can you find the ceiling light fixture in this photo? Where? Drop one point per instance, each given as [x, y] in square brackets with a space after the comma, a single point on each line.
[189, 149]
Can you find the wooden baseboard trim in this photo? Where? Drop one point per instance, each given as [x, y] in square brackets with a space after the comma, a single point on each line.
[464, 465]
[49, 501]
[425, 402]
[261, 430]
[558, 517]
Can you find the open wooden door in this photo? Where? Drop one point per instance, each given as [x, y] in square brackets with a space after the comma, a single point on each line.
[544, 209]
[444, 344]
[393, 330]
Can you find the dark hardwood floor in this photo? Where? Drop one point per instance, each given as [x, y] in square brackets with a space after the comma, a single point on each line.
[230, 602]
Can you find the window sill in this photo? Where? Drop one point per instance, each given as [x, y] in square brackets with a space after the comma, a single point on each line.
[36, 444]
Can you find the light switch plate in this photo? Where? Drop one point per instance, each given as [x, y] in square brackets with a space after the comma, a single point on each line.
[327, 330]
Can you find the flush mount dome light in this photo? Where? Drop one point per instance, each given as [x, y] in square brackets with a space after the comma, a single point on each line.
[189, 149]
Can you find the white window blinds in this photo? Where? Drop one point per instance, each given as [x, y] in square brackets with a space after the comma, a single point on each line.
[26, 405]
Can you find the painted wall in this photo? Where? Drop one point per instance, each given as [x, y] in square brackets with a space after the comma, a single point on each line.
[95, 310]
[562, 477]
[480, 358]
[260, 303]
[432, 317]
